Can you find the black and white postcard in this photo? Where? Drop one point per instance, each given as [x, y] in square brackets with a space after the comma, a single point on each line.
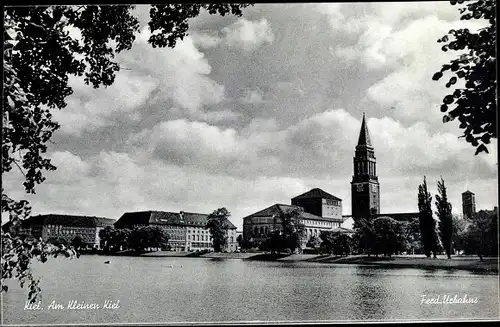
[230, 163]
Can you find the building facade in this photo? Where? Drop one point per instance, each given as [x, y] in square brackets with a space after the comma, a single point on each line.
[257, 226]
[186, 230]
[319, 203]
[64, 228]
[365, 188]
[468, 204]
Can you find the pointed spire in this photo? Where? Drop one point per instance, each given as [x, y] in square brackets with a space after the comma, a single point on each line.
[364, 136]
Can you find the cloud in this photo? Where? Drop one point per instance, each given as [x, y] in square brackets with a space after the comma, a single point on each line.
[252, 97]
[243, 34]
[89, 108]
[246, 112]
[248, 34]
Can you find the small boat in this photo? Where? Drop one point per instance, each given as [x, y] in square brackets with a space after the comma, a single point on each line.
[106, 262]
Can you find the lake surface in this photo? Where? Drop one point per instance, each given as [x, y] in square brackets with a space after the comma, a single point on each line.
[156, 290]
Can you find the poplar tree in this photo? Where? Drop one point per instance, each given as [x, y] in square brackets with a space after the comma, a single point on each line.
[427, 223]
[443, 212]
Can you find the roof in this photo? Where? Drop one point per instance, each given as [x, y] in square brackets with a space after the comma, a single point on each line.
[278, 208]
[364, 135]
[182, 218]
[316, 193]
[67, 220]
[467, 192]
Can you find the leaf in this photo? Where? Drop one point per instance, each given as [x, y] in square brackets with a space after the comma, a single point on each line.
[448, 99]
[444, 108]
[437, 76]
[481, 148]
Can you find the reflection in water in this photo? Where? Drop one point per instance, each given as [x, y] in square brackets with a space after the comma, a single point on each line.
[369, 295]
[195, 289]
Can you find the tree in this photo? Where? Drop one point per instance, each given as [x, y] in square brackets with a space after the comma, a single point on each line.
[292, 229]
[459, 227]
[364, 238]
[58, 241]
[143, 238]
[335, 243]
[314, 242]
[389, 235]
[77, 242]
[427, 223]
[445, 224]
[106, 238]
[475, 104]
[413, 236]
[482, 235]
[39, 57]
[218, 226]
[240, 241]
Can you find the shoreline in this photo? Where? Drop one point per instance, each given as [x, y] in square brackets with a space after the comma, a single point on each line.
[470, 263]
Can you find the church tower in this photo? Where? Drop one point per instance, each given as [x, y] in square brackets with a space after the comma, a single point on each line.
[365, 189]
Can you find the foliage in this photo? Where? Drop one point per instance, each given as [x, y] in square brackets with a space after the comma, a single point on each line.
[240, 241]
[427, 223]
[112, 240]
[445, 223]
[143, 238]
[475, 104]
[413, 237]
[335, 243]
[389, 236]
[39, 57]
[217, 224]
[77, 242]
[292, 230]
[314, 242]
[19, 251]
[364, 237]
[247, 244]
[58, 241]
[459, 227]
[481, 236]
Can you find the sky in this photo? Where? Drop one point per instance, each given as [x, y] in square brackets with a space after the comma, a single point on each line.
[250, 111]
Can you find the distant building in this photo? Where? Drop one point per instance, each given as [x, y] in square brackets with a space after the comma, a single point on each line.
[186, 230]
[318, 211]
[468, 204]
[319, 203]
[53, 227]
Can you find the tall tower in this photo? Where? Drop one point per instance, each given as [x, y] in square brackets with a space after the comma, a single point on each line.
[468, 204]
[365, 189]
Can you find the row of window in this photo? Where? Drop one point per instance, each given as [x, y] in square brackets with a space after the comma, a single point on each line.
[332, 202]
[316, 222]
[197, 237]
[69, 232]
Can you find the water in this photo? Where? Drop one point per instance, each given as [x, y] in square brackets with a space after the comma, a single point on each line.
[155, 290]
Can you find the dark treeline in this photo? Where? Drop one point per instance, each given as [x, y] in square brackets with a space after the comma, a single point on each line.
[139, 239]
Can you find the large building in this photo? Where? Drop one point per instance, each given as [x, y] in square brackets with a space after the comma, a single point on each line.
[468, 204]
[186, 230]
[55, 227]
[318, 211]
[365, 187]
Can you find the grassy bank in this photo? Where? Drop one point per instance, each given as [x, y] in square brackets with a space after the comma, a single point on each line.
[470, 263]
